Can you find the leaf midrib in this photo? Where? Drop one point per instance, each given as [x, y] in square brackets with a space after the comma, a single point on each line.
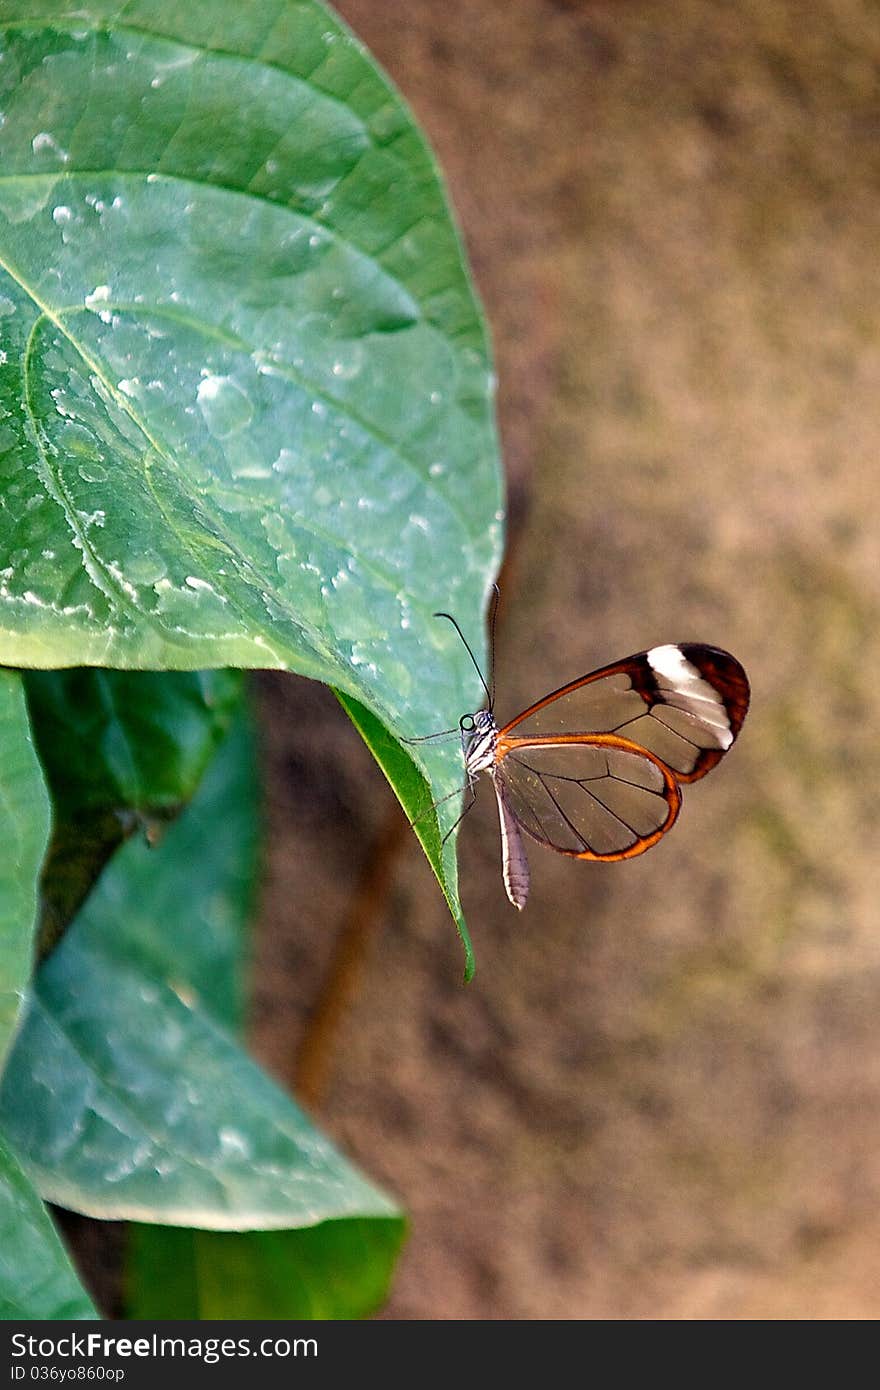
[54, 316]
[248, 566]
[283, 368]
[218, 185]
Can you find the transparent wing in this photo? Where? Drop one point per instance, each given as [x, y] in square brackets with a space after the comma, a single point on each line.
[685, 704]
[598, 797]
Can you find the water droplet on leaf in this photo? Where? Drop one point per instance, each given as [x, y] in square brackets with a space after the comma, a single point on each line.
[225, 407]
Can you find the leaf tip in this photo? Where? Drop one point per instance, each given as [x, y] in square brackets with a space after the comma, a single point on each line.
[470, 963]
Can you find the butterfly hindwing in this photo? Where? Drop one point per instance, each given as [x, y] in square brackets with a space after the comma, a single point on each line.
[599, 797]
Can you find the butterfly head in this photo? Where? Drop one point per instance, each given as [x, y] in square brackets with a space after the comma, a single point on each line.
[479, 733]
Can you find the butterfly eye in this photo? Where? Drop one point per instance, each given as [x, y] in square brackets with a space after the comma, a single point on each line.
[466, 723]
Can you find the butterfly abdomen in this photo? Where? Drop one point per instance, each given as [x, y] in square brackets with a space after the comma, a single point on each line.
[514, 864]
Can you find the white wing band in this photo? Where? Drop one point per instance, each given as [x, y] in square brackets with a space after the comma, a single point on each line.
[693, 694]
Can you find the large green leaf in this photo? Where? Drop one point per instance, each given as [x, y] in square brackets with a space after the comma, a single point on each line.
[340, 1268]
[124, 1098]
[36, 1276]
[121, 751]
[124, 1101]
[24, 830]
[246, 387]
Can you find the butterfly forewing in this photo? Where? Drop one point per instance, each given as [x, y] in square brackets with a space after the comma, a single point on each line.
[683, 704]
[597, 797]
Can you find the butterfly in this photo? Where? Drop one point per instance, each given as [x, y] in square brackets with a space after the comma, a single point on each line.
[595, 769]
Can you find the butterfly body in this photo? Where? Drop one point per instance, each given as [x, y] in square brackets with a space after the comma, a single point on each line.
[594, 770]
[479, 741]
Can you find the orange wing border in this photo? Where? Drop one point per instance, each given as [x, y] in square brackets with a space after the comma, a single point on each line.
[672, 793]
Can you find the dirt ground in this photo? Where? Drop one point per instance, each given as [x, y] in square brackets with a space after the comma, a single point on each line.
[660, 1097]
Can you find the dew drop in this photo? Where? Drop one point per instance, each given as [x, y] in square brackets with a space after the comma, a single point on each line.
[385, 122]
[348, 367]
[98, 297]
[233, 1143]
[225, 408]
[285, 462]
[45, 143]
[146, 568]
[251, 468]
[92, 472]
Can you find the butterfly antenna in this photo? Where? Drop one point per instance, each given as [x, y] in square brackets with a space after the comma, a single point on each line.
[467, 645]
[496, 600]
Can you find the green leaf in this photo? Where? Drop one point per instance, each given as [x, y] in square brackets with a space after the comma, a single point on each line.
[414, 795]
[338, 1269]
[37, 1280]
[24, 831]
[124, 1099]
[247, 391]
[121, 751]
[125, 1102]
[181, 911]
[137, 741]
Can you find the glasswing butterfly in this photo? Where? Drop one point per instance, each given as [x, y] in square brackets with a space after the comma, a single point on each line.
[594, 770]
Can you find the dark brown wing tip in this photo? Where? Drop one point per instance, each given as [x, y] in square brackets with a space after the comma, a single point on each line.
[725, 673]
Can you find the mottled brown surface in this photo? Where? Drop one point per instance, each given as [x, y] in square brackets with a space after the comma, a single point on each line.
[661, 1095]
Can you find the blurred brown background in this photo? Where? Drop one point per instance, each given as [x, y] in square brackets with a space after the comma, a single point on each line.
[660, 1097]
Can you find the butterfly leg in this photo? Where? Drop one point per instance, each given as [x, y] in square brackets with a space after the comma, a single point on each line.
[469, 788]
[430, 738]
[434, 804]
